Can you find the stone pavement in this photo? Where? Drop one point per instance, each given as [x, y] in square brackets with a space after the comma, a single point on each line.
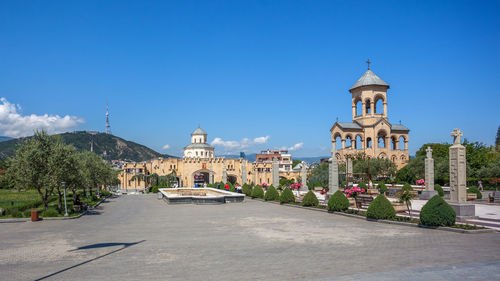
[137, 237]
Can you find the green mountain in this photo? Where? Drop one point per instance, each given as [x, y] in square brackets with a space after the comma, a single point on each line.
[109, 146]
[2, 138]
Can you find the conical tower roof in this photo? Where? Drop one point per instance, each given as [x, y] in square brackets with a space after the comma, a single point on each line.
[369, 78]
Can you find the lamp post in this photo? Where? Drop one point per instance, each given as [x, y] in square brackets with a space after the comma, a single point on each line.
[65, 205]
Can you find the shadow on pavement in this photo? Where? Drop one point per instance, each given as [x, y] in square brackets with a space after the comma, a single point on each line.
[93, 246]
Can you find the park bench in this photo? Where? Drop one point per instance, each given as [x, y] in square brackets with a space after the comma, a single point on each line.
[471, 196]
[363, 200]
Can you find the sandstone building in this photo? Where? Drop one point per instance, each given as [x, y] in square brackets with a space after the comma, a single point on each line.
[370, 131]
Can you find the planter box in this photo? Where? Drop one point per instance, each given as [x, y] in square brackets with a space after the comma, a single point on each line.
[471, 196]
[399, 207]
[372, 191]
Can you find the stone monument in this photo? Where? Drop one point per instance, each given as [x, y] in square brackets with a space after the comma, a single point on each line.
[224, 172]
[303, 174]
[333, 174]
[276, 172]
[458, 188]
[348, 172]
[243, 172]
[429, 191]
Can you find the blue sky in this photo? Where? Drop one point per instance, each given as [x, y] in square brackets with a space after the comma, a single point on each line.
[255, 74]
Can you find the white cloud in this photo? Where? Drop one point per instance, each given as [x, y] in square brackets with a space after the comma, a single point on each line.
[13, 124]
[167, 146]
[261, 140]
[296, 146]
[238, 145]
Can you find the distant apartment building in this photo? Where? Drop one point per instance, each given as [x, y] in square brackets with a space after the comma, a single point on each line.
[284, 158]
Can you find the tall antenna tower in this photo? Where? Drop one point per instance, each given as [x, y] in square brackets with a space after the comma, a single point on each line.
[108, 127]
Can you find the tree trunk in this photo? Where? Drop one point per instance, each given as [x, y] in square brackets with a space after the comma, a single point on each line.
[60, 194]
[44, 198]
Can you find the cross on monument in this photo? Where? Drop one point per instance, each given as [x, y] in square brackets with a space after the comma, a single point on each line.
[368, 63]
[429, 152]
[456, 136]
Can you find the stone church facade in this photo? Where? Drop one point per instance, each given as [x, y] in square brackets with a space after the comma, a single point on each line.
[370, 131]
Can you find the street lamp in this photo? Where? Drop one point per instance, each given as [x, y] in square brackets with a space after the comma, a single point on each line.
[65, 205]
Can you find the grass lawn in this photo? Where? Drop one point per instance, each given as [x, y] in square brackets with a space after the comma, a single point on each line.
[19, 204]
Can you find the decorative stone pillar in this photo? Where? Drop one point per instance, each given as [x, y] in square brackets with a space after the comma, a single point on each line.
[343, 143]
[243, 172]
[254, 175]
[429, 191]
[458, 188]
[363, 108]
[276, 172]
[333, 172]
[303, 174]
[353, 111]
[372, 108]
[348, 165]
[224, 171]
[458, 166]
[385, 108]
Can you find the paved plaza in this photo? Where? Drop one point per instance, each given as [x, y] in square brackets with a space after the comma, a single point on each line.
[137, 237]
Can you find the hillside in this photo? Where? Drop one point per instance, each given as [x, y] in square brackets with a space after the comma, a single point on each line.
[115, 147]
[2, 138]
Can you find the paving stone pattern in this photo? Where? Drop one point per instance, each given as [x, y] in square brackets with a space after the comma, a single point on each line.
[138, 237]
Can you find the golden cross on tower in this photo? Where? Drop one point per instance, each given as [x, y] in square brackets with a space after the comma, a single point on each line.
[368, 63]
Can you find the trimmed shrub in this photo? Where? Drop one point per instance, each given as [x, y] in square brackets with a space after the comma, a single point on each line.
[154, 189]
[257, 192]
[310, 199]
[362, 185]
[105, 193]
[382, 188]
[50, 213]
[15, 213]
[271, 194]
[439, 189]
[247, 189]
[338, 202]
[287, 196]
[436, 212]
[381, 208]
[407, 187]
[474, 189]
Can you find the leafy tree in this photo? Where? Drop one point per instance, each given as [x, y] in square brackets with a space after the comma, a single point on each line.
[31, 166]
[296, 162]
[497, 140]
[319, 176]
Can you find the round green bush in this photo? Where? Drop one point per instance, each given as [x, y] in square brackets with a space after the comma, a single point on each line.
[338, 202]
[407, 187]
[474, 189]
[257, 192]
[247, 189]
[382, 188]
[439, 189]
[362, 185]
[271, 194]
[310, 199]
[381, 208]
[436, 212]
[287, 196]
[50, 213]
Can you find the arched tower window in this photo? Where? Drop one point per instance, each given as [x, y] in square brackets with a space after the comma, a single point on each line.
[368, 142]
[401, 143]
[359, 142]
[368, 107]
[348, 141]
[381, 139]
[359, 108]
[379, 106]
